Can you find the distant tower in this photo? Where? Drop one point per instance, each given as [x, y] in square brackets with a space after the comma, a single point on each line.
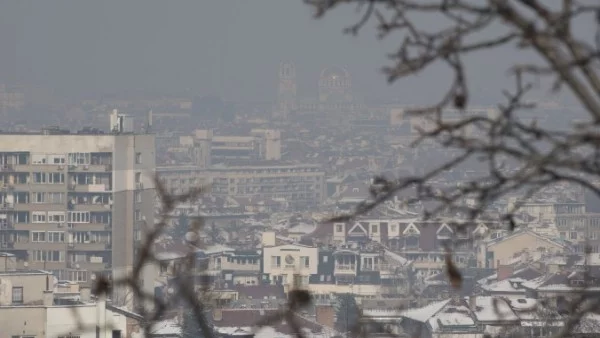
[286, 98]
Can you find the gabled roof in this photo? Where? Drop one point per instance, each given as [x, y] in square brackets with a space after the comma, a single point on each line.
[358, 226]
[411, 229]
[530, 233]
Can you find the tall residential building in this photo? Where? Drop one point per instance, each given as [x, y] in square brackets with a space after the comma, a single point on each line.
[286, 96]
[75, 204]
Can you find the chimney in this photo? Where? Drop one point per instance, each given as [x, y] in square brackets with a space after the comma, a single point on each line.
[217, 315]
[85, 294]
[504, 271]
[325, 315]
[48, 298]
[473, 302]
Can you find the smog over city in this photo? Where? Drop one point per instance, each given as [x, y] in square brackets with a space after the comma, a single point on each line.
[299, 168]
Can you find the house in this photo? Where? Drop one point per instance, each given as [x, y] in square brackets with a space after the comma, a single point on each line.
[288, 264]
[502, 250]
[422, 242]
[243, 323]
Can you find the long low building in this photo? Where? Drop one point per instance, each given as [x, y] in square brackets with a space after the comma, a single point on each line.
[300, 185]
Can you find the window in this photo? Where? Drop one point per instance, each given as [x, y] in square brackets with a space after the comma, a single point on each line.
[138, 158]
[79, 158]
[374, 228]
[275, 261]
[138, 177]
[338, 228]
[56, 216]
[57, 159]
[38, 217]
[38, 197]
[48, 197]
[56, 236]
[56, 178]
[79, 217]
[48, 256]
[17, 295]
[55, 197]
[394, 227]
[304, 261]
[138, 215]
[78, 276]
[39, 177]
[138, 197]
[573, 235]
[325, 259]
[38, 236]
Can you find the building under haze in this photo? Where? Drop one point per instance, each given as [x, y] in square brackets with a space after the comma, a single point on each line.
[76, 203]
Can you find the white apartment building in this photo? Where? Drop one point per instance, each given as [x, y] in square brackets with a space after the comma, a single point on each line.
[290, 264]
[75, 204]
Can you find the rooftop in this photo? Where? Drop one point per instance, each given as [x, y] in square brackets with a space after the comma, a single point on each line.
[24, 272]
[260, 164]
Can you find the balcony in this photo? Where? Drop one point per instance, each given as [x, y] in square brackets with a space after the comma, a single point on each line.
[7, 206]
[26, 168]
[7, 168]
[345, 269]
[6, 245]
[89, 226]
[94, 168]
[89, 187]
[24, 245]
[90, 266]
[97, 246]
[93, 207]
[7, 225]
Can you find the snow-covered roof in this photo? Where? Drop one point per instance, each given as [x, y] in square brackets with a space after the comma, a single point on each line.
[491, 309]
[424, 313]
[396, 257]
[506, 285]
[213, 249]
[166, 327]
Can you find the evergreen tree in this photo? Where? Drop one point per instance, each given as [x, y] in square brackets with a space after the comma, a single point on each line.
[182, 226]
[189, 326]
[347, 312]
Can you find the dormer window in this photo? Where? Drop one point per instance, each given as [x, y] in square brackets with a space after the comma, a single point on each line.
[444, 232]
[412, 241]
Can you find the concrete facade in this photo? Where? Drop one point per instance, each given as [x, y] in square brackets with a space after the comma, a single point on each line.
[75, 204]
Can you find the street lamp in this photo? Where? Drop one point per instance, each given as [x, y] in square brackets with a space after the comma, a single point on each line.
[93, 278]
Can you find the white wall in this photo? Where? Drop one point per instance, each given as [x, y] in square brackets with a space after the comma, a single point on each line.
[296, 251]
[57, 144]
[63, 320]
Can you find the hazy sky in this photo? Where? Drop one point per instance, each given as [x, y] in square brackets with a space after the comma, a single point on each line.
[86, 47]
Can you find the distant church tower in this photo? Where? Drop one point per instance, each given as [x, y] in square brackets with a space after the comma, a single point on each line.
[286, 98]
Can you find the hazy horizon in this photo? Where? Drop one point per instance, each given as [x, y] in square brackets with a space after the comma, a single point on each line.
[229, 48]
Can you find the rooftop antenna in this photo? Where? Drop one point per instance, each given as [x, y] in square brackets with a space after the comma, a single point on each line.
[149, 122]
[114, 121]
